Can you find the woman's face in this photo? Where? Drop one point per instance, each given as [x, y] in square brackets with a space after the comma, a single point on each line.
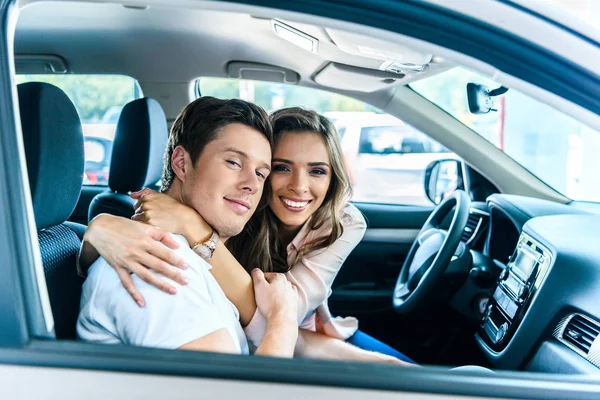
[300, 177]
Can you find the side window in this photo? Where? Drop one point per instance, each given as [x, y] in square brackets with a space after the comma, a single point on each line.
[99, 100]
[386, 158]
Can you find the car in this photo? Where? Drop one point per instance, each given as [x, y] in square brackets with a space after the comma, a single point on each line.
[380, 149]
[98, 151]
[497, 265]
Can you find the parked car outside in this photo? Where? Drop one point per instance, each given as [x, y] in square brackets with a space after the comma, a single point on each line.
[381, 149]
[98, 144]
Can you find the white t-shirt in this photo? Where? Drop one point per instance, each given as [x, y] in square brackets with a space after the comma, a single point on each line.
[109, 315]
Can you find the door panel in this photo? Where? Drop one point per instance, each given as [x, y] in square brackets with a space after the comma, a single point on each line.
[366, 281]
[364, 285]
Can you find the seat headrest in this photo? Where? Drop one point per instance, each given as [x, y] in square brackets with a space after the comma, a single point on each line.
[139, 146]
[53, 142]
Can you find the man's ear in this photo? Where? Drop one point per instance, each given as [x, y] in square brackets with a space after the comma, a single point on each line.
[180, 162]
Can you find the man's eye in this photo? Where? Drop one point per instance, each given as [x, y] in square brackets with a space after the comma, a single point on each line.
[260, 175]
[234, 163]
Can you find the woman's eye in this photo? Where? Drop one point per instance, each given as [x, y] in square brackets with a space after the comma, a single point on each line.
[280, 168]
[319, 171]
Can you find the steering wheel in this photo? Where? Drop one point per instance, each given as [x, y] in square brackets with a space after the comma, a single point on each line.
[430, 253]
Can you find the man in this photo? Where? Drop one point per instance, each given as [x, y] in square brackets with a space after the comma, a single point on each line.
[217, 160]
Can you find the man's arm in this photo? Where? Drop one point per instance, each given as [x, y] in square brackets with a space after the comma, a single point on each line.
[219, 342]
[317, 345]
[280, 337]
[277, 299]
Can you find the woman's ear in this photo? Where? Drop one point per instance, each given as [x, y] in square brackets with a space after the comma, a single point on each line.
[179, 162]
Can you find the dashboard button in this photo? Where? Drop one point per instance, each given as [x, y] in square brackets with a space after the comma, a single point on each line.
[499, 295]
[501, 332]
[511, 309]
[523, 292]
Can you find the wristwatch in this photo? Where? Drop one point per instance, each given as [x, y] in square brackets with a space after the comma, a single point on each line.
[207, 248]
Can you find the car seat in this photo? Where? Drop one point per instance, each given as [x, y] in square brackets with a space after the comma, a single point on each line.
[53, 142]
[137, 157]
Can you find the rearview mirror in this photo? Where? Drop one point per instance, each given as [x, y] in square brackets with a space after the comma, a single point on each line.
[480, 97]
[442, 178]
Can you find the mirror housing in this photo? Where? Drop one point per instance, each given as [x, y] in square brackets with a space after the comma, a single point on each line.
[480, 102]
[480, 97]
[442, 178]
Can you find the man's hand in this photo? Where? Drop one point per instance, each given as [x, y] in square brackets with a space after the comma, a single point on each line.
[277, 300]
[275, 295]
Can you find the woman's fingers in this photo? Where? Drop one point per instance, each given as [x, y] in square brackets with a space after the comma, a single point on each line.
[166, 239]
[140, 193]
[168, 257]
[127, 283]
[163, 268]
[153, 247]
[150, 278]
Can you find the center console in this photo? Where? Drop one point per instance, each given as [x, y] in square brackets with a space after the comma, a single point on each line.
[517, 284]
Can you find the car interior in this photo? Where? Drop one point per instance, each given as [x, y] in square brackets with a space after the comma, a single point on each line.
[503, 273]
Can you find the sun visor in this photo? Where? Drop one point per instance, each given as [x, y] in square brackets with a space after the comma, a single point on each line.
[365, 46]
[346, 77]
[261, 72]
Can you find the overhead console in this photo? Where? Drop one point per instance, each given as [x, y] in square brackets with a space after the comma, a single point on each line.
[516, 287]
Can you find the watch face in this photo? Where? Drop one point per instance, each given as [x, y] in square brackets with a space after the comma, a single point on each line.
[203, 251]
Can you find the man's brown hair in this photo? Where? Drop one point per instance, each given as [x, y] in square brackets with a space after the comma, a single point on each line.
[200, 123]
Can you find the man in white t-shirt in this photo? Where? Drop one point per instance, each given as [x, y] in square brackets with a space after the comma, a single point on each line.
[217, 160]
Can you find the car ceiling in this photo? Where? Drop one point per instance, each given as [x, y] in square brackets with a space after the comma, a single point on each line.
[166, 48]
[161, 44]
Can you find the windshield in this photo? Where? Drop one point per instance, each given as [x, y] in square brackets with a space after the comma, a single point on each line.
[559, 150]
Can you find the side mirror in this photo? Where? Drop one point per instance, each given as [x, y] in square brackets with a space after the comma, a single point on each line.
[442, 177]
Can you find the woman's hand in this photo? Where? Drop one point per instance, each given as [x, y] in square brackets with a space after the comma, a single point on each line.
[129, 246]
[161, 210]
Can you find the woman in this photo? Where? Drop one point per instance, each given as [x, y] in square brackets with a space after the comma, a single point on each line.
[307, 231]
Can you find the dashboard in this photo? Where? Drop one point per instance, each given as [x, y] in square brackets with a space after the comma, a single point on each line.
[543, 313]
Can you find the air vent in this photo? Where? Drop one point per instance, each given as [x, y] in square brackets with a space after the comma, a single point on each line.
[581, 332]
[471, 228]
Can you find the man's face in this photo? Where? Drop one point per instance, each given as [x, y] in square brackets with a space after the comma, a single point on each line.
[226, 184]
